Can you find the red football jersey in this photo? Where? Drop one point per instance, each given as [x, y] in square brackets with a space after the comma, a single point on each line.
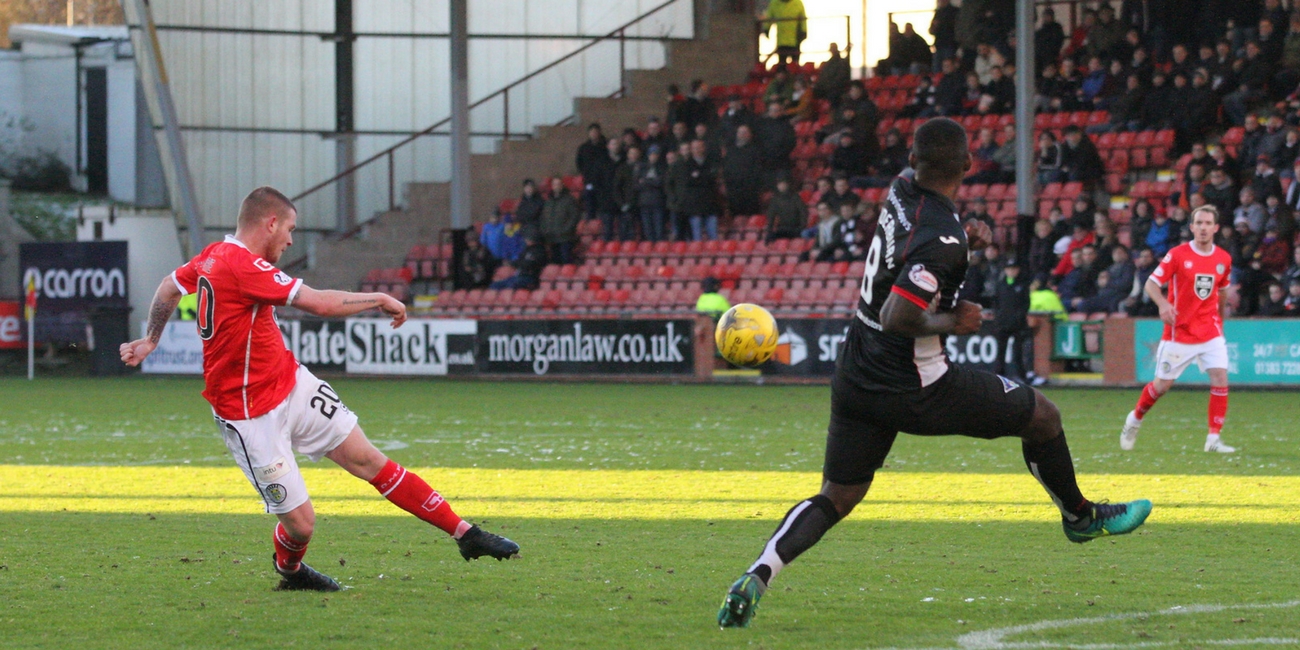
[1194, 281]
[246, 368]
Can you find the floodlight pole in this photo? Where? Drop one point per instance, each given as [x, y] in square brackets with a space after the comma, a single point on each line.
[1026, 183]
[460, 180]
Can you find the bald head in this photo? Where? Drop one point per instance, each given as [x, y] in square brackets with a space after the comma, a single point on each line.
[261, 204]
[940, 151]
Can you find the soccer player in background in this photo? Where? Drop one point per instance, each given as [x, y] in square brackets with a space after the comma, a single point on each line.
[894, 374]
[267, 406]
[1197, 274]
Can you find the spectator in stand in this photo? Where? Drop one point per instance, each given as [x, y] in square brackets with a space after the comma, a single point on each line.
[1011, 321]
[1280, 218]
[591, 164]
[1094, 79]
[631, 138]
[1289, 152]
[655, 136]
[972, 94]
[1274, 253]
[1253, 78]
[914, 55]
[1141, 216]
[1222, 194]
[1270, 42]
[1106, 37]
[1293, 272]
[673, 107]
[1125, 109]
[943, 27]
[1272, 139]
[840, 194]
[1293, 192]
[973, 284]
[1084, 212]
[993, 266]
[1265, 182]
[529, 211]
[1121, 270]
[737, 114]
[1005, 156]
[1288, 72]
[776, 141]
[1049, 38]
[1041, 257]
[1002, 90]
[949, 91]
[627, 195]
[825, 235]
[1079, 37]
[1181, 228]
[502, 238]
[1201, 107]
[603, 183]
[1043, 298]
[1049, 159]
[1251, 138]
[742, 174]
[651, 199]
[1180, 61]
[528, 267]
[681, 135]
[1079, 158]
[1159, 236]
[1105, 238]
[780, 88]
[787, 215]
[856, 111]
[923, 102]
[712, 146]
[1140, 66]
[711, 303]
[979, 210]
[892, 160]
[674, 181]
[850, 159]
[1275, 305]
[1250, 210]
[559, 223]
[1138, 302]
[1226, 162]
[1071, 284]
[476, 265]
[834, 76]
[791, 28]
[698, 107]
[699, 194]
[1081, 237]
[1106, 299]
[803, 108]
[986, 58]
[1292, 305]
[1158, 103]
[1047, 90]
[984, 169]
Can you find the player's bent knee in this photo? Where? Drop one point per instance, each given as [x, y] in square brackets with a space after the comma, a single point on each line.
[300, 522]
[1045, 424]
[845, 497]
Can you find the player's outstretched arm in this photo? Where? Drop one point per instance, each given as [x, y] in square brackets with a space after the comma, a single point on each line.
[900, 316]
[160, 311]
[1167, 312]
[336, 304]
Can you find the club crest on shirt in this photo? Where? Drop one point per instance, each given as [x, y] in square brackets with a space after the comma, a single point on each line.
[282, 278]
[1218, 269]
[1008, 385]
[1204, 285]
[923, 278]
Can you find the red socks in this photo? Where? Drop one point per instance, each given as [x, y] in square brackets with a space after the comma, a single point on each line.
[410, 493]
[288, 553]
[1218, 408]
[1146, 401]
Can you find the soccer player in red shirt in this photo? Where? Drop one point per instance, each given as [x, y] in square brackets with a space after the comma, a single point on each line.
[267, 406]
[1197, 274]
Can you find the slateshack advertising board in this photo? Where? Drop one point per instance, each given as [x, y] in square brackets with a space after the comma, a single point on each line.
[809, 347]
[586, 347]
[71, 279]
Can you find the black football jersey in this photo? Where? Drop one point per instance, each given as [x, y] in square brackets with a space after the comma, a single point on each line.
[919, 252]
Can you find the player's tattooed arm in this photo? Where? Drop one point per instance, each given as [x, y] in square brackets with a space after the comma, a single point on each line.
[160, 311]
[334, 304]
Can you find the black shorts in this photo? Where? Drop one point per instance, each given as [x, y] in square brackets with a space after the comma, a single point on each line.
[963, 402]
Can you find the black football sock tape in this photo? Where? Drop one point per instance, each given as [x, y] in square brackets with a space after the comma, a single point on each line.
[1051, 464]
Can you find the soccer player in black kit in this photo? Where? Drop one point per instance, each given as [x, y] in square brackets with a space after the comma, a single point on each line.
[894, 375]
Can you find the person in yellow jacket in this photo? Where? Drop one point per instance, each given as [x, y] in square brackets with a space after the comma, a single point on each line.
[791, 28]
[1043, 299]
[711, 303]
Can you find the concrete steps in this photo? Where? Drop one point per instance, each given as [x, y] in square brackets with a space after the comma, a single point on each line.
[722, 54]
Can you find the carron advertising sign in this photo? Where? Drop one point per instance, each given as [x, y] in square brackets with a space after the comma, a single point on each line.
[71, 279]
[596, 347]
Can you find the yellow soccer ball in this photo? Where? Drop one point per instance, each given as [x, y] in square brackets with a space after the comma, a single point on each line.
[746, 335]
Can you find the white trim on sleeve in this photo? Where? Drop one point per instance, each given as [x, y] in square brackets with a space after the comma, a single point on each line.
[293, 292]
[178, 285]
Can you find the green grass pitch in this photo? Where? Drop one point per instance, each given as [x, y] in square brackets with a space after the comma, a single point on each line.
[123, 524]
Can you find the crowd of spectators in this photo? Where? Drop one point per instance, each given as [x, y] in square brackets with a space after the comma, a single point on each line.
[1198, 68]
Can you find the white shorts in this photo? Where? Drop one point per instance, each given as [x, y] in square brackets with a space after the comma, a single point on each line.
[1173, 358]
[312, 421]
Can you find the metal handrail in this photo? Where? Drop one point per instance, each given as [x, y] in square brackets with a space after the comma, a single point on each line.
[504, 92]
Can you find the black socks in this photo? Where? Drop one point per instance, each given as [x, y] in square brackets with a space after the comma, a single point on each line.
[1051, 464]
